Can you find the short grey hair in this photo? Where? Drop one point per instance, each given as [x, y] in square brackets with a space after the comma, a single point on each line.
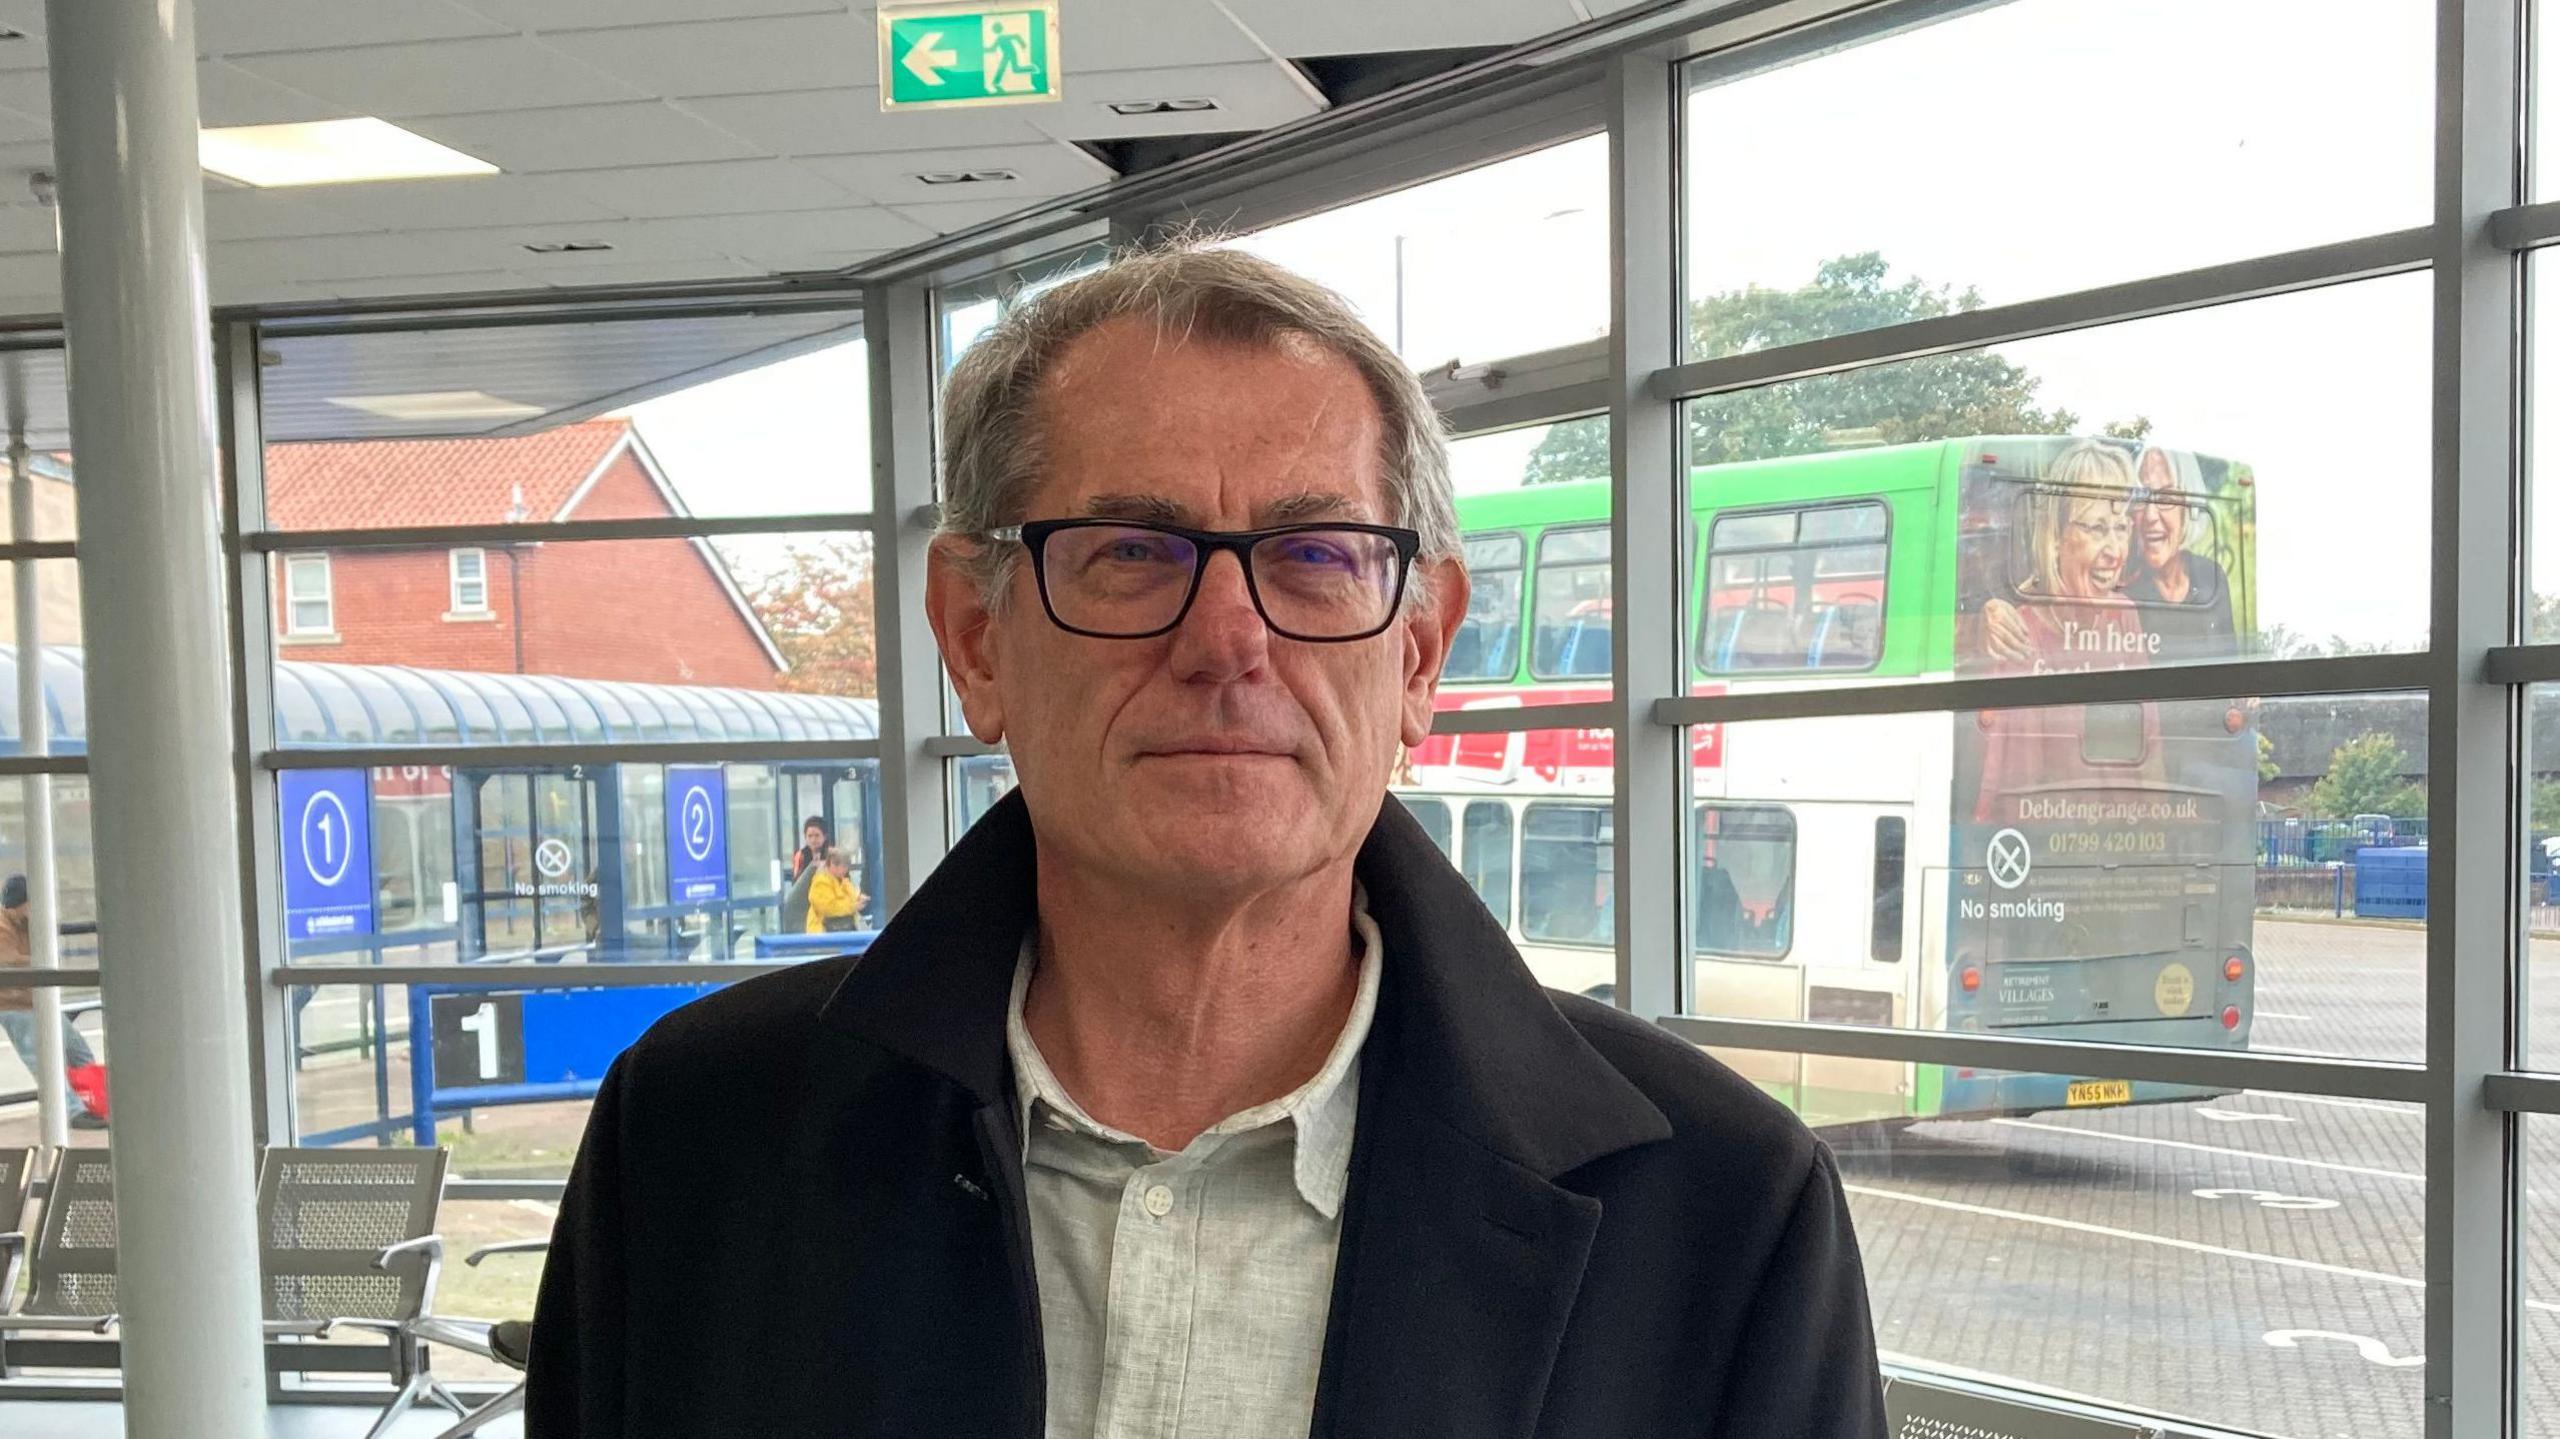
[993, 453]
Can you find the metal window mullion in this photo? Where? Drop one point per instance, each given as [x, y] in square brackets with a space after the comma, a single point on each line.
[526, 974]
[48, 978]
[52, 764]
[2474, 930]
[238, 378]
[2340, 674]
[1527, 719]
[2378, 1080]
[2526, 664]
[2395, 252]
[498, 535]
[914, 784]
[17, 550]
[1651, 774]
[710, 751]
[2519, 1093]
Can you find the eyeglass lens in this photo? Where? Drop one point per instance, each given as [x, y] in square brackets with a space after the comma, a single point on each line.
[1133, 580]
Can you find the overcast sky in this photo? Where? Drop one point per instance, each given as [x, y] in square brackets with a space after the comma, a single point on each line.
[2026, 150]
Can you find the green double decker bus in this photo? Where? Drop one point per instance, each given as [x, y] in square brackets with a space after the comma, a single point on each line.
[2081, 871]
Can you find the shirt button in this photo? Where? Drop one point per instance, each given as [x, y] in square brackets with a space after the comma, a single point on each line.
[1159, 1201]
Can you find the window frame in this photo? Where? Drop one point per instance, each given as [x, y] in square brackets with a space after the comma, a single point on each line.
[1795, 843]
[1705, 609]
[455, 609]
[1879, 934]
[1508, 914]
[306, 561]
[1537, 571]
[1521, 631]
[1530, 807]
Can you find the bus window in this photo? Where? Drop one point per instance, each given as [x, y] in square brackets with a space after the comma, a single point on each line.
[1433, 816]
[1798, 589]
[1571, 617]
[1743, 886]
[1891, 834]
[1486, 857]
[1568, 885]
[1487, 645]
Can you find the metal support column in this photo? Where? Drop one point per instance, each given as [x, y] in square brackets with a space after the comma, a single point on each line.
[35, 791]
[162, 800]
[2474, 927]
[897, 320]
[1644, 533]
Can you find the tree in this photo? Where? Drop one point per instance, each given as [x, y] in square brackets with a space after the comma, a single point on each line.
[1973, 392]
[817, 607]
[2365, 778]
[2267, 767]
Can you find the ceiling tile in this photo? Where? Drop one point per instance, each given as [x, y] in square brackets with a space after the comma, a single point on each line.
[733, 57]
[442, 77]
[226, 27]
[1250, 97]
[457, 203]
[585, 137]
[229, 95]
[866, 227]
[943, 217]
[31, 274]
[27, 18]
[26, 228]
[245, 214]
[1144, 34]
[1299, 28]
[848, 121]
[714, 188]
[28, 101]
[647, 272]
[328, 257]
[583, 14]
[888, 177]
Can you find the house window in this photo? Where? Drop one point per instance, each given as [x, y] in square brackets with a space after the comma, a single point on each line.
[308, 609]
[470, 581]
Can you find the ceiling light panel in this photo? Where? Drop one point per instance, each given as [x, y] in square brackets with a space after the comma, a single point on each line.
[329, 152]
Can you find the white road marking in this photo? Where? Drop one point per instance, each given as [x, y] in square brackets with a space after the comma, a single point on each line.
[2266, 1198]
[2295, 1018]
[2237, 1116]
[2405, 1111]
[2373, 1350]
[536, 1206]
[2137, 1236]
[2334, 1168]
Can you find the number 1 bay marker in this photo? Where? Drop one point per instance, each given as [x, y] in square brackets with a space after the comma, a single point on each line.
[980, 52]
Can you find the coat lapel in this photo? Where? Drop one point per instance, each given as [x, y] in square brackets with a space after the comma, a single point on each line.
[1462, 1256]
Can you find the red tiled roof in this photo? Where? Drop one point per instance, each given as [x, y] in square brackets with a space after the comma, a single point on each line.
[373, 484]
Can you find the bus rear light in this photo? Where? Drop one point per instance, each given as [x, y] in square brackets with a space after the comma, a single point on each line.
[2232, 969]
[1971, 979]
[2233, 721]
[2231, 1017]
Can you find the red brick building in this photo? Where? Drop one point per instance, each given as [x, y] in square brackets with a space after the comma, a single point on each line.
[655, 611]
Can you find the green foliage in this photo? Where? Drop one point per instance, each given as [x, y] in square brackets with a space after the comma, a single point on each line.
[817, 607]
[2365, 778]
[1969, 393]
[2546, 806]
[2267, 768]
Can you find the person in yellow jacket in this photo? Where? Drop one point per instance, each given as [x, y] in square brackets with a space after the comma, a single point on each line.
[833, 895]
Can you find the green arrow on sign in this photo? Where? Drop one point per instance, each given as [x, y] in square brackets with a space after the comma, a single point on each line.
[951, 55]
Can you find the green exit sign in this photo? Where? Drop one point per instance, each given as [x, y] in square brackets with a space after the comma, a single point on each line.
[974, 54]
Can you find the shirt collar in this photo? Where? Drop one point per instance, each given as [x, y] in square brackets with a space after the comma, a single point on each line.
[1321, 1111]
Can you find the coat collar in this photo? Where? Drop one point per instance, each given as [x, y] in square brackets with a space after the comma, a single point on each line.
[1462, 1029]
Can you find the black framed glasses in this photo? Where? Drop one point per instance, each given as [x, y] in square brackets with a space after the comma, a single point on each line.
[1130, 580]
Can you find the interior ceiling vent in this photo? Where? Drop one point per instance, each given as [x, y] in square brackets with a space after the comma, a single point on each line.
[568, 247]
[967, 177]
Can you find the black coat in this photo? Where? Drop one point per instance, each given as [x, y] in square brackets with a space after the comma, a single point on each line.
[798, 1209]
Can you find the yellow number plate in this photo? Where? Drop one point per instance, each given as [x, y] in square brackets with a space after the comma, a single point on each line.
[2100, 1091]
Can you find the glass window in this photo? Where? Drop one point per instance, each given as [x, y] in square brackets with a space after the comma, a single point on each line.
[1743, 880]
[1568, 884]
[967, 312]
[2148, 873]
[1433, 816]
[1892, 834]
[1795, 590]
[37, 382]
[2172, 490]
[2220, 133]
[1487, 646]
[1420, 263]
[1484, 854]
[1570, 622]
[470, 581]
[977, 782]
[309, 607]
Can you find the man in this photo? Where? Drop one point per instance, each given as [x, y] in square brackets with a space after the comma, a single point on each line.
[82, 1073]
[1195, 1094]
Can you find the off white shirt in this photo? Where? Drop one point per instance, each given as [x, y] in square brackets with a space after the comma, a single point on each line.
[1184, 1296]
